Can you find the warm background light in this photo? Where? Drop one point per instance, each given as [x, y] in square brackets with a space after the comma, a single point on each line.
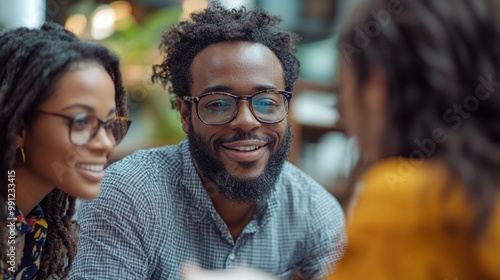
[123, 9]
[190, 6]
[103, 22]
[76, 24]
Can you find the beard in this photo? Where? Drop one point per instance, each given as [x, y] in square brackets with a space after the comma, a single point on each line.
[249, 190]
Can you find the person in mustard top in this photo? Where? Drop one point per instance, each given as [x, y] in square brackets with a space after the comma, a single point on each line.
[420, 91]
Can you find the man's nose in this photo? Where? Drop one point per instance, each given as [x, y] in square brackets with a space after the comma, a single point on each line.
[244, 119]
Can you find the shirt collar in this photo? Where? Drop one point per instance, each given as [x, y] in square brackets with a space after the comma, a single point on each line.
[25, 224]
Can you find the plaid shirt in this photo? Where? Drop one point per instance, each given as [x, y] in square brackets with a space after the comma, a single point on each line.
[153, 216]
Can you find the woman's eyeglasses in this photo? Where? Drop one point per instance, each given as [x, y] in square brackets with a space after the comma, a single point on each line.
[83, 128]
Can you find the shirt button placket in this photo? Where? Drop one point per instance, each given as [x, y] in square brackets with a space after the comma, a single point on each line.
[230, 260]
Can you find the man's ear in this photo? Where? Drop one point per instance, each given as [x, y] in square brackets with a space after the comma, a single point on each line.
[184, 110]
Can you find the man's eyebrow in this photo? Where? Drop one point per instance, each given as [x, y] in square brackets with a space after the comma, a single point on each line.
[224, 88]
[264, 87]
[216, 88]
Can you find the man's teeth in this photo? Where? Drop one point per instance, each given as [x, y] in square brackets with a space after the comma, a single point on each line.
[91, 167]
[247, 148]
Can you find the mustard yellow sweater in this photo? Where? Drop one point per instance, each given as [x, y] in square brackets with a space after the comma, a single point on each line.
[411, 220]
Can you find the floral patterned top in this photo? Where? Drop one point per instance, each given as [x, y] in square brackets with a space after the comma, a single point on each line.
[31, 233]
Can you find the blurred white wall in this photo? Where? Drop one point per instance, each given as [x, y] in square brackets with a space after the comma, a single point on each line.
[16, 13]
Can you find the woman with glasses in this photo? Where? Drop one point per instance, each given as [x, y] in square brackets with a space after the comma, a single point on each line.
[63, 110]
[422, 97]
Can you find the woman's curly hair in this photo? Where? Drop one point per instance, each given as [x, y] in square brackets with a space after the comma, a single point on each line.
[216, 24]
[435, 56]
[33, 61]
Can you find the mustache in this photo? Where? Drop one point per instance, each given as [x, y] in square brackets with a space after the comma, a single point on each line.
[241, 136]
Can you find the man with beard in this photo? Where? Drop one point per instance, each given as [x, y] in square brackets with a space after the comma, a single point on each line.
[225, 196]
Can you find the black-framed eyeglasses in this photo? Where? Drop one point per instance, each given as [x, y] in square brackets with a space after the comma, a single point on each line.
[83, 128]
[216, 108]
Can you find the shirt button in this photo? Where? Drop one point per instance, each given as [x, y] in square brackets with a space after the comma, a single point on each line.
[232, 256]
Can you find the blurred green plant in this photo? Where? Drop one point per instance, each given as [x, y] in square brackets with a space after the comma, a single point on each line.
[137, 46]
[137, 43]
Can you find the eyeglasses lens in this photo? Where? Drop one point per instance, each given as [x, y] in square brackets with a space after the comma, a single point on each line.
[221, 108]
[85, 128]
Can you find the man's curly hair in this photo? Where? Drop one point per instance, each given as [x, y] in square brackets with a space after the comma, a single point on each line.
[216, 24]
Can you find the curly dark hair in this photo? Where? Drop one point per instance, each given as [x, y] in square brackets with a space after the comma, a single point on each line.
[216, 24]
[33, 61]
[436, 55]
